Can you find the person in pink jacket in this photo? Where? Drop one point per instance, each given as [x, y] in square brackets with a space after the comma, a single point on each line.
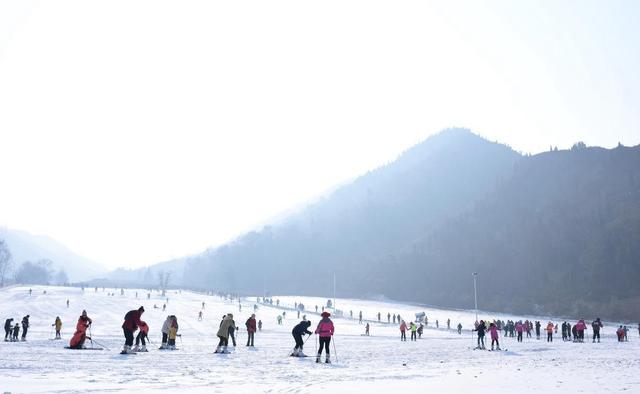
[403, 331]
[325, 331]
[519, 330]
[493, 330]
[580, 327]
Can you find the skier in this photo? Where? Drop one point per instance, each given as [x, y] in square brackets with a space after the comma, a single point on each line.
[596, 325]
[173, 333]
[223, 333]
[259, 325]
[360, 316]
[58, 325]
[394, 319]
[437, 324]
[200, 316]
[165, 331]
[564, 331]
[77, 341]
[67, 304]
[164, 307]
[481, 328]
[25, 327]
[537, 329]
[493, 330]
[325, 330]
[569, 331]
[574, 331]
[389, 318]
[279, 318]
[251, 329]
[459, 329]
[420, 330]
[580, 327]
[298, 331]
[7, 329]
[519, 329]
[550, 332]
[403, 331]
[414, 329]
[366, 330]
[378, 316]
[448, 324]
[16, 331]
[142, 334]
[232, 330]
[202, 304]
[620, 334]
[130, 325]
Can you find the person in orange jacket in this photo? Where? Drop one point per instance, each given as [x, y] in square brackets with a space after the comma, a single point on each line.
[550, 327]
[84, 322]
[403, 331]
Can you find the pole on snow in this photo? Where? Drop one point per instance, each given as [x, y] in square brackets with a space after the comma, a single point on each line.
[475, 293]
[334, 348]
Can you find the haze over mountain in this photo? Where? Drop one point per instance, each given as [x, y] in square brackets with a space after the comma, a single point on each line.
[555, 232]
[28, 247]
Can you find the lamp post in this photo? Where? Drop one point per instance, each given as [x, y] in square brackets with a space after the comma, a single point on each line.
[475, 293]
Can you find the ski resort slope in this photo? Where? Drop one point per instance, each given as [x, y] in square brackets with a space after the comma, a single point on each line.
[442, 360]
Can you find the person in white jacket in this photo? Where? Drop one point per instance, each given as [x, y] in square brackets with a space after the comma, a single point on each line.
[165, 332]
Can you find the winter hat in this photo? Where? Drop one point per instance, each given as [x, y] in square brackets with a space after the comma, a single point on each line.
[325, 314]
[141, 309]
[84, 313]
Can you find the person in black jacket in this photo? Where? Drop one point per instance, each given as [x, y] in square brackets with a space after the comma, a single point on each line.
[8, 329]
[297, 332]
[481, 328]
[25, 327]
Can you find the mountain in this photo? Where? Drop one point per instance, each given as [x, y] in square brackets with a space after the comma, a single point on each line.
[377, 214]
[29, 247]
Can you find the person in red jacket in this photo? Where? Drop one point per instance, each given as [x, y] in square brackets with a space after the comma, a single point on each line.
[251, 329]
[142, 335]
[130, 325]
[325, 331]
[77, 341]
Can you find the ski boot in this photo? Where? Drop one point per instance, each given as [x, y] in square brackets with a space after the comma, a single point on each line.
[135, 349]
[295, 353]
[217, 349]
[143, 348]
[318, 358]
[126, 350]
[328, 360]
[300, 354]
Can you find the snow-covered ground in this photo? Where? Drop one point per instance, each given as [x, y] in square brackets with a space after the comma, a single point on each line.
[441, 361]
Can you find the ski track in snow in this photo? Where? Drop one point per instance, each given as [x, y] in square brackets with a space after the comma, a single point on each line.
[442, 360]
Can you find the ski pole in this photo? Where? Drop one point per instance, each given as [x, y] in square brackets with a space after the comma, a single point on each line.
[101, 344]
[334, 348]
[90, 336]
[51, 332]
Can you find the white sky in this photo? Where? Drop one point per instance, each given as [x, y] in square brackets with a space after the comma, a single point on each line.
[137, 131]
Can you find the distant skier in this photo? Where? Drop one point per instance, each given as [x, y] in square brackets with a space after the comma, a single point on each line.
[77, 341]
[569, 331]
[620, 334]
[232, 331]
[389, 320]
[164, 307]
[481, 328]
[279, 319]
[519, 330]
[574, 331]
[580, 327]
[366, 330]
[437, 324]
[223, 333]
[165, 331]
[58, 326]
[142, 335]
[378, 316]
[459, 329]
[67, 304]
[493, 330]
[394, 318]
[30, 291]
[596, 325]
[298, 331]
[202, 304]
[448, 324]
[259, 325]
[25, 327]
[403, 331]
[420, 330]
[251, 329]
[200, 316]
[360, 317]
[538, 329]
[325, 330]
[7, 329]
[130, 325]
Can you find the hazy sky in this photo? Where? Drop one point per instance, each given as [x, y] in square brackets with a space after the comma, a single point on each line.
[137, 131]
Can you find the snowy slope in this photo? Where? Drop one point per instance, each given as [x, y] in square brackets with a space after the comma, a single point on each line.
[441, 361]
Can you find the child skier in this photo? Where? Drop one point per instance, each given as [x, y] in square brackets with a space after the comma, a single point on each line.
[493, 330]
[58, 325]
[142, 334]
[77, 341]
[16, 331]
[173, 333]
[325, 330]
[366, 330]
[298, 331]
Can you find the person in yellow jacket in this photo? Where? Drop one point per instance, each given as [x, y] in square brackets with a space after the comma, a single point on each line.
[58, 326]
[223, 333]
[414, 329]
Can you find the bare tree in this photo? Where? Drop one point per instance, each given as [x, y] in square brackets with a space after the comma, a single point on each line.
[5, 261]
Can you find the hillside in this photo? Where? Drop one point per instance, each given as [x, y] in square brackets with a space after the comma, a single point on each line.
[28, 247]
